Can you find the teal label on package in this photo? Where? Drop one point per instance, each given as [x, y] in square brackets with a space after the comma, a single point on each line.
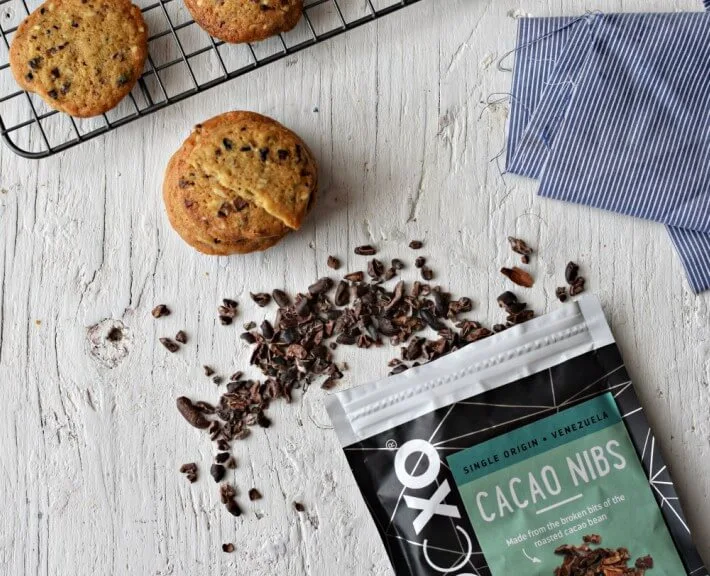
[553, 482]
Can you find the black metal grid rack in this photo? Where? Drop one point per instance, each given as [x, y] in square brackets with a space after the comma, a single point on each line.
[183, 60]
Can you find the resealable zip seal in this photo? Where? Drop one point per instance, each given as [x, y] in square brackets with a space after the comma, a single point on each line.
[525, 349]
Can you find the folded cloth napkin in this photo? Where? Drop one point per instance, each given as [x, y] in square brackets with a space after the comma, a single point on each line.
[611, 111]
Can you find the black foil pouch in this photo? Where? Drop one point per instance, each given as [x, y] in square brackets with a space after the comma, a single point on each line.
[525, 453]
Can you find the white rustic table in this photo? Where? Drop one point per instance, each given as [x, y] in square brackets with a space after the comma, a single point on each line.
[395, 112]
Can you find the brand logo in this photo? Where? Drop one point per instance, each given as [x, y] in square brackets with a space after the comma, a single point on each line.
[422, 452]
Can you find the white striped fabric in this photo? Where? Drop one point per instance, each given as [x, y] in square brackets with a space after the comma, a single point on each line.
[541, 42]
[622, 121]
[637, 124]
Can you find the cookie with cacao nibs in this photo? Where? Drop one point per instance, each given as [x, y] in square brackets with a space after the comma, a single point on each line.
[81, 58]
[210, 218]
[259, 161]
[238, 21]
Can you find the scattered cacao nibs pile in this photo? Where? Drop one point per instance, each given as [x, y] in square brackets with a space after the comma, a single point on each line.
[333, 263]
[294, 350]
[190, 472]
[299, 507]
[366, 250]
[160, 310]
[518, 276]
[170, 345]
[262, 299]
[181, 337]
[228, 548]
[254, 494]
[416, 244]
[586, 561]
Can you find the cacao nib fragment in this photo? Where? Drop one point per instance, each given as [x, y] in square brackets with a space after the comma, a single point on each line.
[170, 345]
[571, 272]
[519, 246]
[518, 276]
[191, 413]
[365, 250]
[262, 299]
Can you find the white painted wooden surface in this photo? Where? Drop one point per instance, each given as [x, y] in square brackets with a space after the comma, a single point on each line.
[90, 438]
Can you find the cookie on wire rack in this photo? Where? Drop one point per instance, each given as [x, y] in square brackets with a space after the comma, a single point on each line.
[81, 56]
[239, 183]
[238, 21]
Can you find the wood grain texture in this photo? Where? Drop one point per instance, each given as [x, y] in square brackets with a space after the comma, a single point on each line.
[91, 441]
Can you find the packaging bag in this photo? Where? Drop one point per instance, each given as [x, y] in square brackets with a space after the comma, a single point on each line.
[524, 453]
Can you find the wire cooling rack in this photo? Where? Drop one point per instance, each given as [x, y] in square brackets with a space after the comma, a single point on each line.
[183, 60]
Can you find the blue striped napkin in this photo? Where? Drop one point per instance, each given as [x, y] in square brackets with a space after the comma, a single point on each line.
[611, 111]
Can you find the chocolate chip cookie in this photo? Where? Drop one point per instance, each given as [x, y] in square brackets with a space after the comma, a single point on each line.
[239, 184]
[238, 21]
[81, 56]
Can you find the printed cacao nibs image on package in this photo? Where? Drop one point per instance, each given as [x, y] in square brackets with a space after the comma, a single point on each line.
[527, 453]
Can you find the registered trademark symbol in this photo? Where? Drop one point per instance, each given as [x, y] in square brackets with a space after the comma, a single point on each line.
[391, 444]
